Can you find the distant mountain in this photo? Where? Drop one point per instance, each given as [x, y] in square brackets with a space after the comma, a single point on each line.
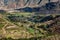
[23, 3]
[47, 6]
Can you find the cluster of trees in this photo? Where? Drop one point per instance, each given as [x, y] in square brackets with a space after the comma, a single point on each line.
[35, 19]
[38, 19]
[16, 18]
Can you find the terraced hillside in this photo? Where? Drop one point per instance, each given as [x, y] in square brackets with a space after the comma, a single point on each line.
[28, 26]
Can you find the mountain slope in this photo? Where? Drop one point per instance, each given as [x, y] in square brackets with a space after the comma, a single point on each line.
[52, 7]
[23, 3]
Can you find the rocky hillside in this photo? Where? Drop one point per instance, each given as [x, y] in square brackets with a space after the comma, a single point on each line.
[23, 3]
[48, 8]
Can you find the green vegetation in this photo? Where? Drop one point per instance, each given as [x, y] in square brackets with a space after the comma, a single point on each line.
[21, 14]
[30, 30]
[1, 25]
